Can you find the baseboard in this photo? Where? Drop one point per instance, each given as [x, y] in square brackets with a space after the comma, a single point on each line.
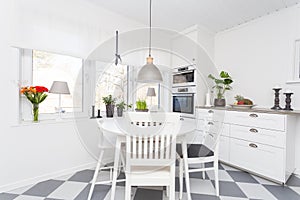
[37, 179]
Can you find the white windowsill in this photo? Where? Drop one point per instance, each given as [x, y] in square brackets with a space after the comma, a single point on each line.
[293, 82]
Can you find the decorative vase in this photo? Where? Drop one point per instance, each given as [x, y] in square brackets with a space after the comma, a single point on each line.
[110, 110]
[220, 102]
[35, 109]
[120, 112]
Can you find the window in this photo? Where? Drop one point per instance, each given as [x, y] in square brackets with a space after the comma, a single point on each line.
[112, 80]
[42, 68]
[141, 93]
[297, 61]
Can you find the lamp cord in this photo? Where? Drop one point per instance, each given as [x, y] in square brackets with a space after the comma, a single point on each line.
[150, 27]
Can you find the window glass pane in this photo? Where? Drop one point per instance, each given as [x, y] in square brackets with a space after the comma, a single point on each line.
[49, 67]
[141, 93]
[111, 81]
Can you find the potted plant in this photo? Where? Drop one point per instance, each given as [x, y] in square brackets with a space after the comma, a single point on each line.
[120, 108]
[222, 84]
[109, 102]
[141, 106]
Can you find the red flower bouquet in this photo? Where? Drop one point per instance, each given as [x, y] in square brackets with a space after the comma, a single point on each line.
[36, 95]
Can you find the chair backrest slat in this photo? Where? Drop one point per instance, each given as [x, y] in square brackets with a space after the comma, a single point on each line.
[152, 137]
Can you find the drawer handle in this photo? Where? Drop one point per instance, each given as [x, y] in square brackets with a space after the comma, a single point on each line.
[210, 111]
[253, 115]
[253, 145]
[181, 118]
[211, 135]
[210, 123]
[253, 130]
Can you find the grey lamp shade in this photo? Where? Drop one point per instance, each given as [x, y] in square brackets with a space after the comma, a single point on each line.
[151, 92]
[59, 87]
[149, 73]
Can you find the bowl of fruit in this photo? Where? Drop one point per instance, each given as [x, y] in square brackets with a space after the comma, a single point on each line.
[242, 102]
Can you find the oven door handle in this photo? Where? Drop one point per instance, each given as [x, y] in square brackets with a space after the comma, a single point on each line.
[183, 72]
[183, 94]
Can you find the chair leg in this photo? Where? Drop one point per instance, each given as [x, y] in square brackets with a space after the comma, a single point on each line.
[172, 184]
[127, 189]
[186, 170]
[216, 177]
[203, 172]
[180, 178]
[168, 191]
[95, 175]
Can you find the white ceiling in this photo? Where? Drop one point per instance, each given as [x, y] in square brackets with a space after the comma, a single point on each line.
[215, 15]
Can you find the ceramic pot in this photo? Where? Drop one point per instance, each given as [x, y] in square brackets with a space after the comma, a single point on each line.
[220, 102]
[120, 112]
[110, 110]
[139, 110]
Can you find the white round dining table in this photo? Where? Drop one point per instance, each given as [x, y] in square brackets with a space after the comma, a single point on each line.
[114, 126]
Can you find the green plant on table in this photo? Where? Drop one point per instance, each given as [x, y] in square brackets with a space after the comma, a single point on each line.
[109, 100]
[222, 84]
[141, 105]
[122, 105]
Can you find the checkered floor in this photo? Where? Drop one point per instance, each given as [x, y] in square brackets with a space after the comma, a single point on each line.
[234, 185]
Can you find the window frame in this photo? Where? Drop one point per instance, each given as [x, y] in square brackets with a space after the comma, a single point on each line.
[26, 78]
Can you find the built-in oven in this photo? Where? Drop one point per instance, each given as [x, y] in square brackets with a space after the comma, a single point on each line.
[184, 100]
[184, 76]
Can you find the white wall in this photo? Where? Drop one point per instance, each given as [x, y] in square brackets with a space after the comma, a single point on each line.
[260, 55]
[30, 153]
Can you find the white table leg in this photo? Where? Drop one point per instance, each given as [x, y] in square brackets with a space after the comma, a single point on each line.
[116, 165]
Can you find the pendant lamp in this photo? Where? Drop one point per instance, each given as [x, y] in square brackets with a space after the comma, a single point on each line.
[149, 73]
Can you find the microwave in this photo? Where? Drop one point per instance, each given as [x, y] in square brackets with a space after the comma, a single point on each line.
[184, 76]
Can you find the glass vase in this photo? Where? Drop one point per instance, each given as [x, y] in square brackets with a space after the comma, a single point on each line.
[35, 109]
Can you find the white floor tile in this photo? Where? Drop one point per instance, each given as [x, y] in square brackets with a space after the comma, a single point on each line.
[256, 191]
[223, 175]
[200, 186]
[25, 197]
[68, 190]
[21, 190]
[296, 189]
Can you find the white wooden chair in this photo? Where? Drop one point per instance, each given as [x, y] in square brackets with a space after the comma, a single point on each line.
[104, 146]
[199, 154]
[151, 151]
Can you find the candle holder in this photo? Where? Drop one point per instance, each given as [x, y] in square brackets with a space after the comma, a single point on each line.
[276, 100]
[93, 113]
[99, 116]
[288, 100]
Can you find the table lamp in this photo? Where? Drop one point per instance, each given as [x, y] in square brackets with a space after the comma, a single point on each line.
[151, 93]
[59, 87]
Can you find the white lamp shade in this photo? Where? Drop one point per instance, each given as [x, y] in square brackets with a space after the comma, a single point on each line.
[149, 73]
[151, 92]
[59, 87]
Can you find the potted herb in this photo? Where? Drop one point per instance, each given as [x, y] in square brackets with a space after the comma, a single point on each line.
[110, 105]
[120, 108]
[222, 84]
[141, 106]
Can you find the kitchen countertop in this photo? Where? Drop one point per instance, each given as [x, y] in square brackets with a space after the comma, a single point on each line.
[258, 110]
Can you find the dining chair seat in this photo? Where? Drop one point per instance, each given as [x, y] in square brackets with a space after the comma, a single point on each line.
[195, 151]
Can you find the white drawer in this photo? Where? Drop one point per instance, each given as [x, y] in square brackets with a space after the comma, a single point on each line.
[213, 127]
[262, 159]
[262, 136]
[211, 114]
[224, 148]
[260, 120]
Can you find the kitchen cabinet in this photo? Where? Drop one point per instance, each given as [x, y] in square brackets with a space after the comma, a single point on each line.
[260, 142]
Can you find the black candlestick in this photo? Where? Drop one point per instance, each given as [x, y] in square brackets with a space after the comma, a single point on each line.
[99, 116]
[93, 112]
[288, 100]
[276, 101]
